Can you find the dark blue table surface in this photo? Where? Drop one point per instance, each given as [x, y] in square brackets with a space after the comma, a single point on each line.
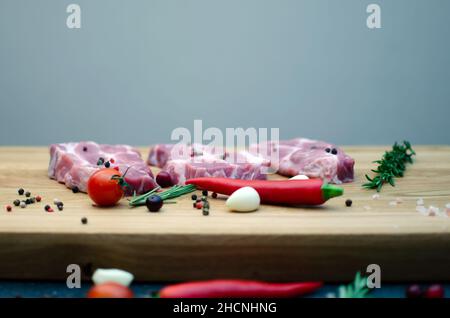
[59, 289]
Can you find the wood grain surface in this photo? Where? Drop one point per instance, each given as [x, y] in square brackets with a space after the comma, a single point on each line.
[275, 243]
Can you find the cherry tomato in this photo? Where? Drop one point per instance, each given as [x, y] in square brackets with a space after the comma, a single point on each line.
[109, 290]
[103, 190]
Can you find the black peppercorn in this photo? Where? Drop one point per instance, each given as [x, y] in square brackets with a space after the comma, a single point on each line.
[84, 220]
[16, 202]
[214, 195]
[84, 148]
[194, 197]
[21, 191]
[27, 194]
[334, 151]
[327, 149]
[348, 202]
[47, 207]
[107, 164]
[205, 192]
[75, 189]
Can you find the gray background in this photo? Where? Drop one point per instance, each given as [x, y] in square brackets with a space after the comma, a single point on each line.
[138, 69]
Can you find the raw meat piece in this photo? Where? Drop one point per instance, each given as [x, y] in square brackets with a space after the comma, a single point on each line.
[289, 158]
[183, 162]
[309, 157]
[209, 166]
[73, 163]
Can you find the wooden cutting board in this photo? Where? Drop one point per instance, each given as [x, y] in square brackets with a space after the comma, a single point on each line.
[328, 243]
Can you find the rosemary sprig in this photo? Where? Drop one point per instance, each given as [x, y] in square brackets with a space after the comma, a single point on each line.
[356, 289]
[391, 165]
[173, 192]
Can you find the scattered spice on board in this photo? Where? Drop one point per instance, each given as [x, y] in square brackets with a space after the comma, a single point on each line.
[348, 203]
[390, 166]
[84, 220]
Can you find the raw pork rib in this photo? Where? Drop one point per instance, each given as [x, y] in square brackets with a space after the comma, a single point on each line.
[195, 161]
[316, 159]
[73, 163]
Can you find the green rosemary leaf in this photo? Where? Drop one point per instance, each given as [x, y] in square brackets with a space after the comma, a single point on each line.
[392, 164]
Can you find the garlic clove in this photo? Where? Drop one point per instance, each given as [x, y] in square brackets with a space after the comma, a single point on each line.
[103, 275]
[299, 177]
[245, 199]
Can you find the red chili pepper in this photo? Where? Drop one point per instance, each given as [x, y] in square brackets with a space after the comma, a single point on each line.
[284, 192]
[238, 289]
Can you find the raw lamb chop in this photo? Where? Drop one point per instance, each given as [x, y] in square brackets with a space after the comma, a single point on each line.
[316, 159]
[73, 163]
[192, 161]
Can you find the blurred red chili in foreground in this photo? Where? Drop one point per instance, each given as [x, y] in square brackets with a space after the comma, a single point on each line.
[238, 289]
[109, 290]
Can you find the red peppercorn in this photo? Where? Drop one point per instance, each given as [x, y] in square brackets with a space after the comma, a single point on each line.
[50, 210]
[414, 291]
[214, 195]
[38, 198]
[8, 208]
[116, 168]
[435, 291]
[199, 205]
[111, 160]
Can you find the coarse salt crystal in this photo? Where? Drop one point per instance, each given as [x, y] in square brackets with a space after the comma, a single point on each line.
[399, 200]
[422, 210]
[393, 203]
[366, 207]
[376, 196]
[447, 208]
[420, 201]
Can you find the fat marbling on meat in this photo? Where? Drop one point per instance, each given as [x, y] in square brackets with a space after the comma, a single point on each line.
[74, 162]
